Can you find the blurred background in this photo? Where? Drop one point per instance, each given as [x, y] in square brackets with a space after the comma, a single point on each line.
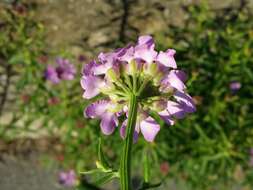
[45, 142]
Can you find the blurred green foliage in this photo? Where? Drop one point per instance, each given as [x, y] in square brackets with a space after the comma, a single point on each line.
[208, 149]
[214, 48]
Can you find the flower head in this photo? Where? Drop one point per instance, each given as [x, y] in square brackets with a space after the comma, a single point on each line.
[140, 70]
[67, 178]
[235, 86]
[63, 71]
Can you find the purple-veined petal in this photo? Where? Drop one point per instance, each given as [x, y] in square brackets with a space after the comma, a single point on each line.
[186, 101]
[108, 123]
[123, 132]
[101, 69]
[146, 40]
[107, 57]
[175, 81]
[96, 109]
[149, 128]
[166, 116]
[180, 74]
[167, 58]
[127, 54]
[144, 53]
[172, 81]
[175, 109]
[88, 69]
[91, 85]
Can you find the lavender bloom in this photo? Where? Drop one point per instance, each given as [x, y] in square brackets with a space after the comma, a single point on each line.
[235, 86]
[160, 88]
[68, 178]
[63, 71]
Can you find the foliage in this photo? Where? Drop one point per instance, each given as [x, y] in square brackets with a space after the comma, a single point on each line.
[214, 48]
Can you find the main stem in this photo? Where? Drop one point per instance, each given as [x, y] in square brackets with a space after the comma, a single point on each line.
[125, 162]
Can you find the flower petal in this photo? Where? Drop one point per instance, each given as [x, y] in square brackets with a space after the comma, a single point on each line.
[91, 85]
[149, 128]
[126, 54]
[186, 101]
[172, 80]
[144, 53]
[108, 123]
[175, 81]
[180, 74]
[147, 40]
[96, 109]
[175, 110]
[166, 116]
[167, 58]
[88, 68]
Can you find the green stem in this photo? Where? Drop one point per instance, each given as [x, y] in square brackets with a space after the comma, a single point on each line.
[125, 162]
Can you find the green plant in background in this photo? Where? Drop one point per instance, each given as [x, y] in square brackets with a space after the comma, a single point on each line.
[33, 101]
[21, 41]
[215, 47]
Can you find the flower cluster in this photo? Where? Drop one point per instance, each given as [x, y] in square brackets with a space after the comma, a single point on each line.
[64, 70]
[136, 69]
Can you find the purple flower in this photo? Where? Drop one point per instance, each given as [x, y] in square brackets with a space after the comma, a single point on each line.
[153, 77]
[63, 71]
[68, 178]
[235, 86]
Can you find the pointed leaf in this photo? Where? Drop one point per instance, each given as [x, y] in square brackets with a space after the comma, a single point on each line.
[105, 179]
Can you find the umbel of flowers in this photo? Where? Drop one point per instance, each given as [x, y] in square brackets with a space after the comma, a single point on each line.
[151, 76]
[133, 82]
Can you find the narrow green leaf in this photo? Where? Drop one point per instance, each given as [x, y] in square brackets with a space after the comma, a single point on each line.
[101, 157]
[105, 179]
[95, 171]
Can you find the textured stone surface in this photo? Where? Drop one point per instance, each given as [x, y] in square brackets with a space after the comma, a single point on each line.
[92, 25]
[21, 174]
